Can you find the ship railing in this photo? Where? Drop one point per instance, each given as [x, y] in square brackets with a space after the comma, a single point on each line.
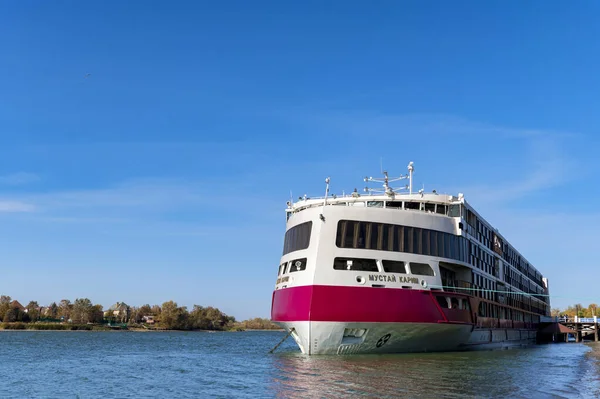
[569, 319]
[458, 286]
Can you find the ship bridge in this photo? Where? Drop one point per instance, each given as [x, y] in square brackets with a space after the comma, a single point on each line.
[387, 197]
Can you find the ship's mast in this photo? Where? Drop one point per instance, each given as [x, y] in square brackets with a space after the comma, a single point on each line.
[386, 182]
[411, 169]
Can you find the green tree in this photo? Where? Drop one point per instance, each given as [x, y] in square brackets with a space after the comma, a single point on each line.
[11, 315]
[82, 310]
[15, 314]
[209, 318]
[173, 317]
[259, 324]
[64, 309]
[156, 310]
[138, 313]
[96, 315]
[33, 310]
[4, 305]
[53, 310]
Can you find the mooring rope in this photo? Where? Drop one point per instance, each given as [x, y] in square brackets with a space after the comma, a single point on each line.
[281, 342]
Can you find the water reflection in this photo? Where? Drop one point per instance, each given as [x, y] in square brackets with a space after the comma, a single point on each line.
[542, 371]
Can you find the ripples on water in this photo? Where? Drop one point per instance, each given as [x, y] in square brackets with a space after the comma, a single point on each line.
[199, 365]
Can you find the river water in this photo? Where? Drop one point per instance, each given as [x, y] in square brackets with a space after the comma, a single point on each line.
[44, 364]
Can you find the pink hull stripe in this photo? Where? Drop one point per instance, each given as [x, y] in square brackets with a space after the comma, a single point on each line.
[360, 304]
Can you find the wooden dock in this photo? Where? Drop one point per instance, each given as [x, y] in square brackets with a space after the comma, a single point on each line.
[559, 329]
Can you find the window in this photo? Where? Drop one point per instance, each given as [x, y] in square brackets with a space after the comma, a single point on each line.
[412, 205]
[482, 309]
[297, 238]
[394, 204]
[454, 211]
[421, 269]
[441, 209]
[375, 204]
[282, 268]
[397, 238]
[429, 207]
[454, 303]
[358, 264]
[394, 266]
[442, 301]
[298, 265]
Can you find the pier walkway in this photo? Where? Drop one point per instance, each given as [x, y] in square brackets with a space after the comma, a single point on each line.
[581, 328]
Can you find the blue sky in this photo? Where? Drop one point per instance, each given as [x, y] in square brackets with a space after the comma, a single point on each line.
[164, 174]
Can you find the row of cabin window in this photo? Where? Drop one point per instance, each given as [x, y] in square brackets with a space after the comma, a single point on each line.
[397, 238]
[521, 282]
[388, 266]
[453, 303]
[297, 238]
[512, 257]
[440, 209]
[484, 287]
[295, 265]
[388, 237]
[523, 302]
[487, 289]
[500, 312]
[360, 264]
[478, 229]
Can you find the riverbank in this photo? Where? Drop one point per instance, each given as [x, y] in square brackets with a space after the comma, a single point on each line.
[19, 326]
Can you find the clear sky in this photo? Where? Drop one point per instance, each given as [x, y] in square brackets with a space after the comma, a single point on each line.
[164, 173]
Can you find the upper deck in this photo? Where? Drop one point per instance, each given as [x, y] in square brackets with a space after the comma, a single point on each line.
[468, 222]
[386, 197]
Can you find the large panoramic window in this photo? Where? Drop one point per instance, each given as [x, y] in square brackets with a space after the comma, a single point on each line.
[297, 238]
[396, 238]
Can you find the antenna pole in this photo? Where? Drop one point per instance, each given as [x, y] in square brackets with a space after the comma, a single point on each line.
[411, 169]
[325, 200]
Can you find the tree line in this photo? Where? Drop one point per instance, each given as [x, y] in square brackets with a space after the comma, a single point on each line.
[578, 310]
[169, 315]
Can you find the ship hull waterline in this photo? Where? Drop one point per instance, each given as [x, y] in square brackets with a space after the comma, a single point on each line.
[326, 338]
[361, 320]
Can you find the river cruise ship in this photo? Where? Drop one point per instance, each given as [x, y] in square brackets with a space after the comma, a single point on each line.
[388, 271]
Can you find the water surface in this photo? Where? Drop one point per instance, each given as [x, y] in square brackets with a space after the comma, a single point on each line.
[44, 364]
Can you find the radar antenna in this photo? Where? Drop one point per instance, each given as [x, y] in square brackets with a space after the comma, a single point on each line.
[386, 180]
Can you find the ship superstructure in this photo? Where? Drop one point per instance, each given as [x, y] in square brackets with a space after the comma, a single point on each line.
[388, 271]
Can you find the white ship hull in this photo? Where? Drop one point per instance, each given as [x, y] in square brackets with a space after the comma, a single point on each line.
[327, 338]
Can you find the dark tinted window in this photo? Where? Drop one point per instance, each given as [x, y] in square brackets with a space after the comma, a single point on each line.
[421, 269]
[394, 266]
[366, 265]
[297, 238]
[298, 265]
[442, 301]
[412, 205]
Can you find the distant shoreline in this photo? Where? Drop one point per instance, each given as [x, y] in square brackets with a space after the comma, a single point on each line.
[95, 328]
